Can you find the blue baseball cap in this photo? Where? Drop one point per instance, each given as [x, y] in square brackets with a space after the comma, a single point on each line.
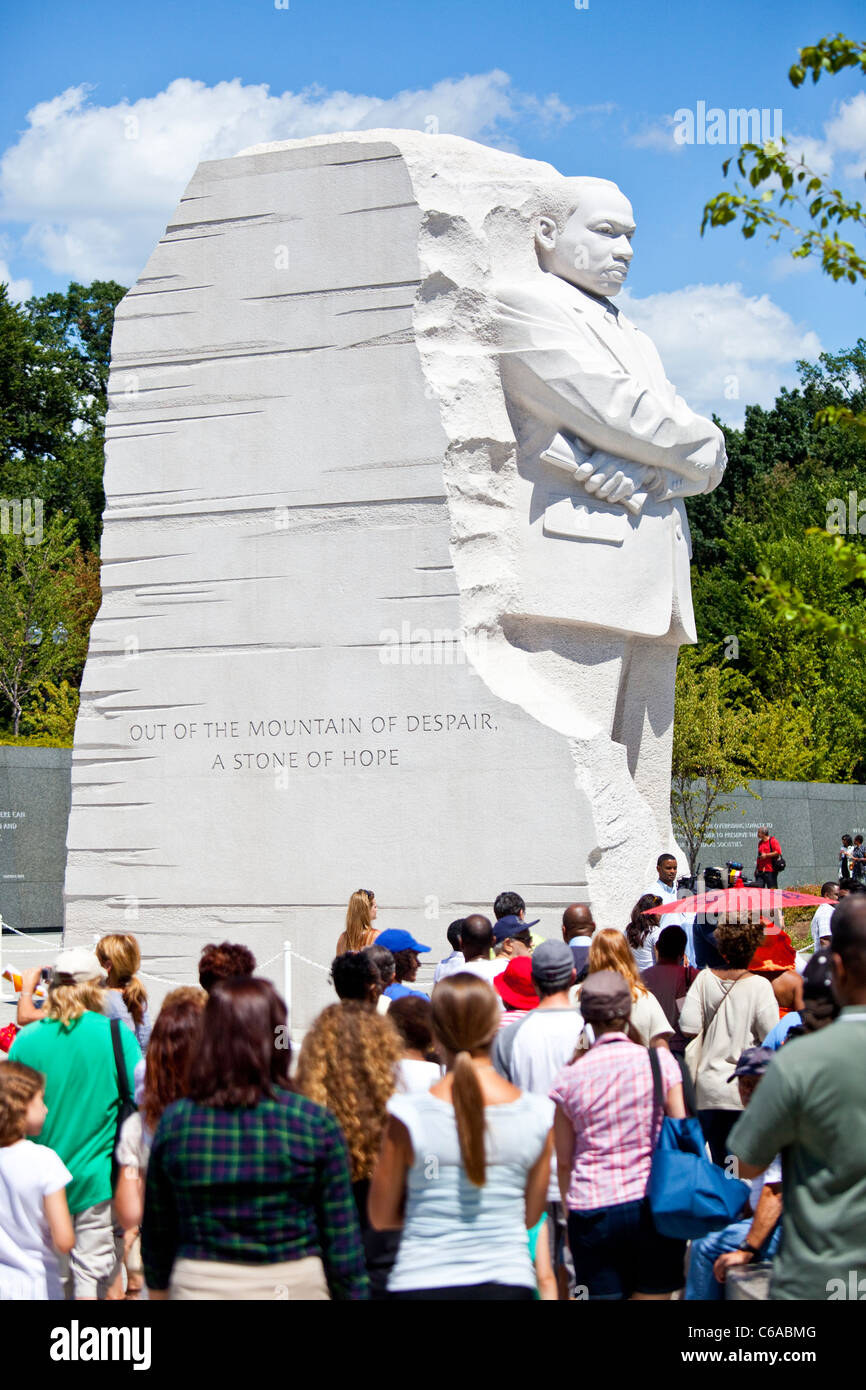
[395, 939]
[511, 926]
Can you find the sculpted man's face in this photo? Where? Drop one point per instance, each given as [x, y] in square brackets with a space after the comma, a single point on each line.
[593, 250]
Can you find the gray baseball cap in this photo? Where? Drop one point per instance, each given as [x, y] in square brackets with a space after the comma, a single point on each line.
[553, 964]
[605, 995]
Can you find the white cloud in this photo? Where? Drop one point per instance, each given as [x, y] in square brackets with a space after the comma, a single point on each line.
[715, 341]
[657, 136]
[18, 290]
[846, 134]
[817, 154]
[94, 185]
[784, 265]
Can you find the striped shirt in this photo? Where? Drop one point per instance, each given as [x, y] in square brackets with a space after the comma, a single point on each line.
[607, 1095]
[252, 1186]
[510, 1016]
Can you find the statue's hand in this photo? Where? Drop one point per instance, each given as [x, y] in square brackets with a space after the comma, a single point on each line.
[608, 484]
[609, 479]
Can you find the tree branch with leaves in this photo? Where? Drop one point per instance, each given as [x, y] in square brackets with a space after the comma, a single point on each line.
[795, 186]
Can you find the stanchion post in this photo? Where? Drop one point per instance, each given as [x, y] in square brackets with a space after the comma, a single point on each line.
[287, 982]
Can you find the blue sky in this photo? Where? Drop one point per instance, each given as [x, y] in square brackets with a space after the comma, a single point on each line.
[591, 91]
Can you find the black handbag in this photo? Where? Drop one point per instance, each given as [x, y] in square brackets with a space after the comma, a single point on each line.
[127, 1104]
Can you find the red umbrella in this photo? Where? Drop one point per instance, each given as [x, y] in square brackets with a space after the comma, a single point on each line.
[739, 901]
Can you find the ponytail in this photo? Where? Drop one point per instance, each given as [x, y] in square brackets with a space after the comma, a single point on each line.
[135, 999]
[469, 1113]
[120, 957]
[465, 1021]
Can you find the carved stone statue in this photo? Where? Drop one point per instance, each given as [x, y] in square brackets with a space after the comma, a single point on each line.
[606, 452]
[394, 563]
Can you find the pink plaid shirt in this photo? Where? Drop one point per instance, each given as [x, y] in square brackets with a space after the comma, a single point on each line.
[607, 1095]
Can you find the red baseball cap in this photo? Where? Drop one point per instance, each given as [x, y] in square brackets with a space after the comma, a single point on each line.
[514, 985]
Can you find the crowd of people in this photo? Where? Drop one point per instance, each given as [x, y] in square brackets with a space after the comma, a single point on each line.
[494, 1140]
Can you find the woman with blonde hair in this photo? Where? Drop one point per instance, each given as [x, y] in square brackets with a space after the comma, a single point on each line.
[348, 1063]
[360, 916]
[125, 995]
[609, 950]
[464, 1167]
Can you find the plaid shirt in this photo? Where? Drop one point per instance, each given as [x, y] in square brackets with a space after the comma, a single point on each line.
[252, 1186]
[608, 1096]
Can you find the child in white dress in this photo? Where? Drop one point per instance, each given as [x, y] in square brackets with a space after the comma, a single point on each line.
[35, 1225]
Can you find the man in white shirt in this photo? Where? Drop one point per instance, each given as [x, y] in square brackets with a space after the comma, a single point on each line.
[531, 1053]
[821, 919]
[456, 954]
[476, 943]
[665, 888]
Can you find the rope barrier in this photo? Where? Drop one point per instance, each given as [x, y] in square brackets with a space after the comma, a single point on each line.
[285, 954]
[7, 926]
[178, 984]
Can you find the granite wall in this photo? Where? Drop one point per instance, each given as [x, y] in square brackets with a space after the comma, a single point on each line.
[34, 811]
[807, 818]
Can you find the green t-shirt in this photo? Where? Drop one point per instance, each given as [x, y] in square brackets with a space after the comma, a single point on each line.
[81, 1095]
[811, 1107]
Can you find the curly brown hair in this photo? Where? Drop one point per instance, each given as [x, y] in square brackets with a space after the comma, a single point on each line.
[19, 1084]
[347, 1063]
[224, 962]
[737, 942]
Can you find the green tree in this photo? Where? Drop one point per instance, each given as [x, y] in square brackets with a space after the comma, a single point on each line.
[43, 623]
[54, 361]
[843, 627]
[708, 730]
[50, 717]
[38, 403]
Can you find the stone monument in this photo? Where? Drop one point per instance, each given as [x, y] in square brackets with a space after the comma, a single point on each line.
[395, 561]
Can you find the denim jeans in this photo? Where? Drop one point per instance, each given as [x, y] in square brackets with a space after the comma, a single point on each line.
[701, 1282]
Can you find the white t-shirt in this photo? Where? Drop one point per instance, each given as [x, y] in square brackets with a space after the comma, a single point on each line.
[454, 1233]
[686, 920]
[543, 1045]
[771, 1174]
[28, 1265]
[134, 1144]
[484, 969]
[732, 1015]
[415, 1075]
[649, 1018]
[821, 922]
[447, 964]
[644, 956]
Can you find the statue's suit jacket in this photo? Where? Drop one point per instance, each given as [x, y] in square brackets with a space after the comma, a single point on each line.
[573, 365]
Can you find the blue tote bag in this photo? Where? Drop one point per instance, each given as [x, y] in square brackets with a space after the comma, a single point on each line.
[689, 1195]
